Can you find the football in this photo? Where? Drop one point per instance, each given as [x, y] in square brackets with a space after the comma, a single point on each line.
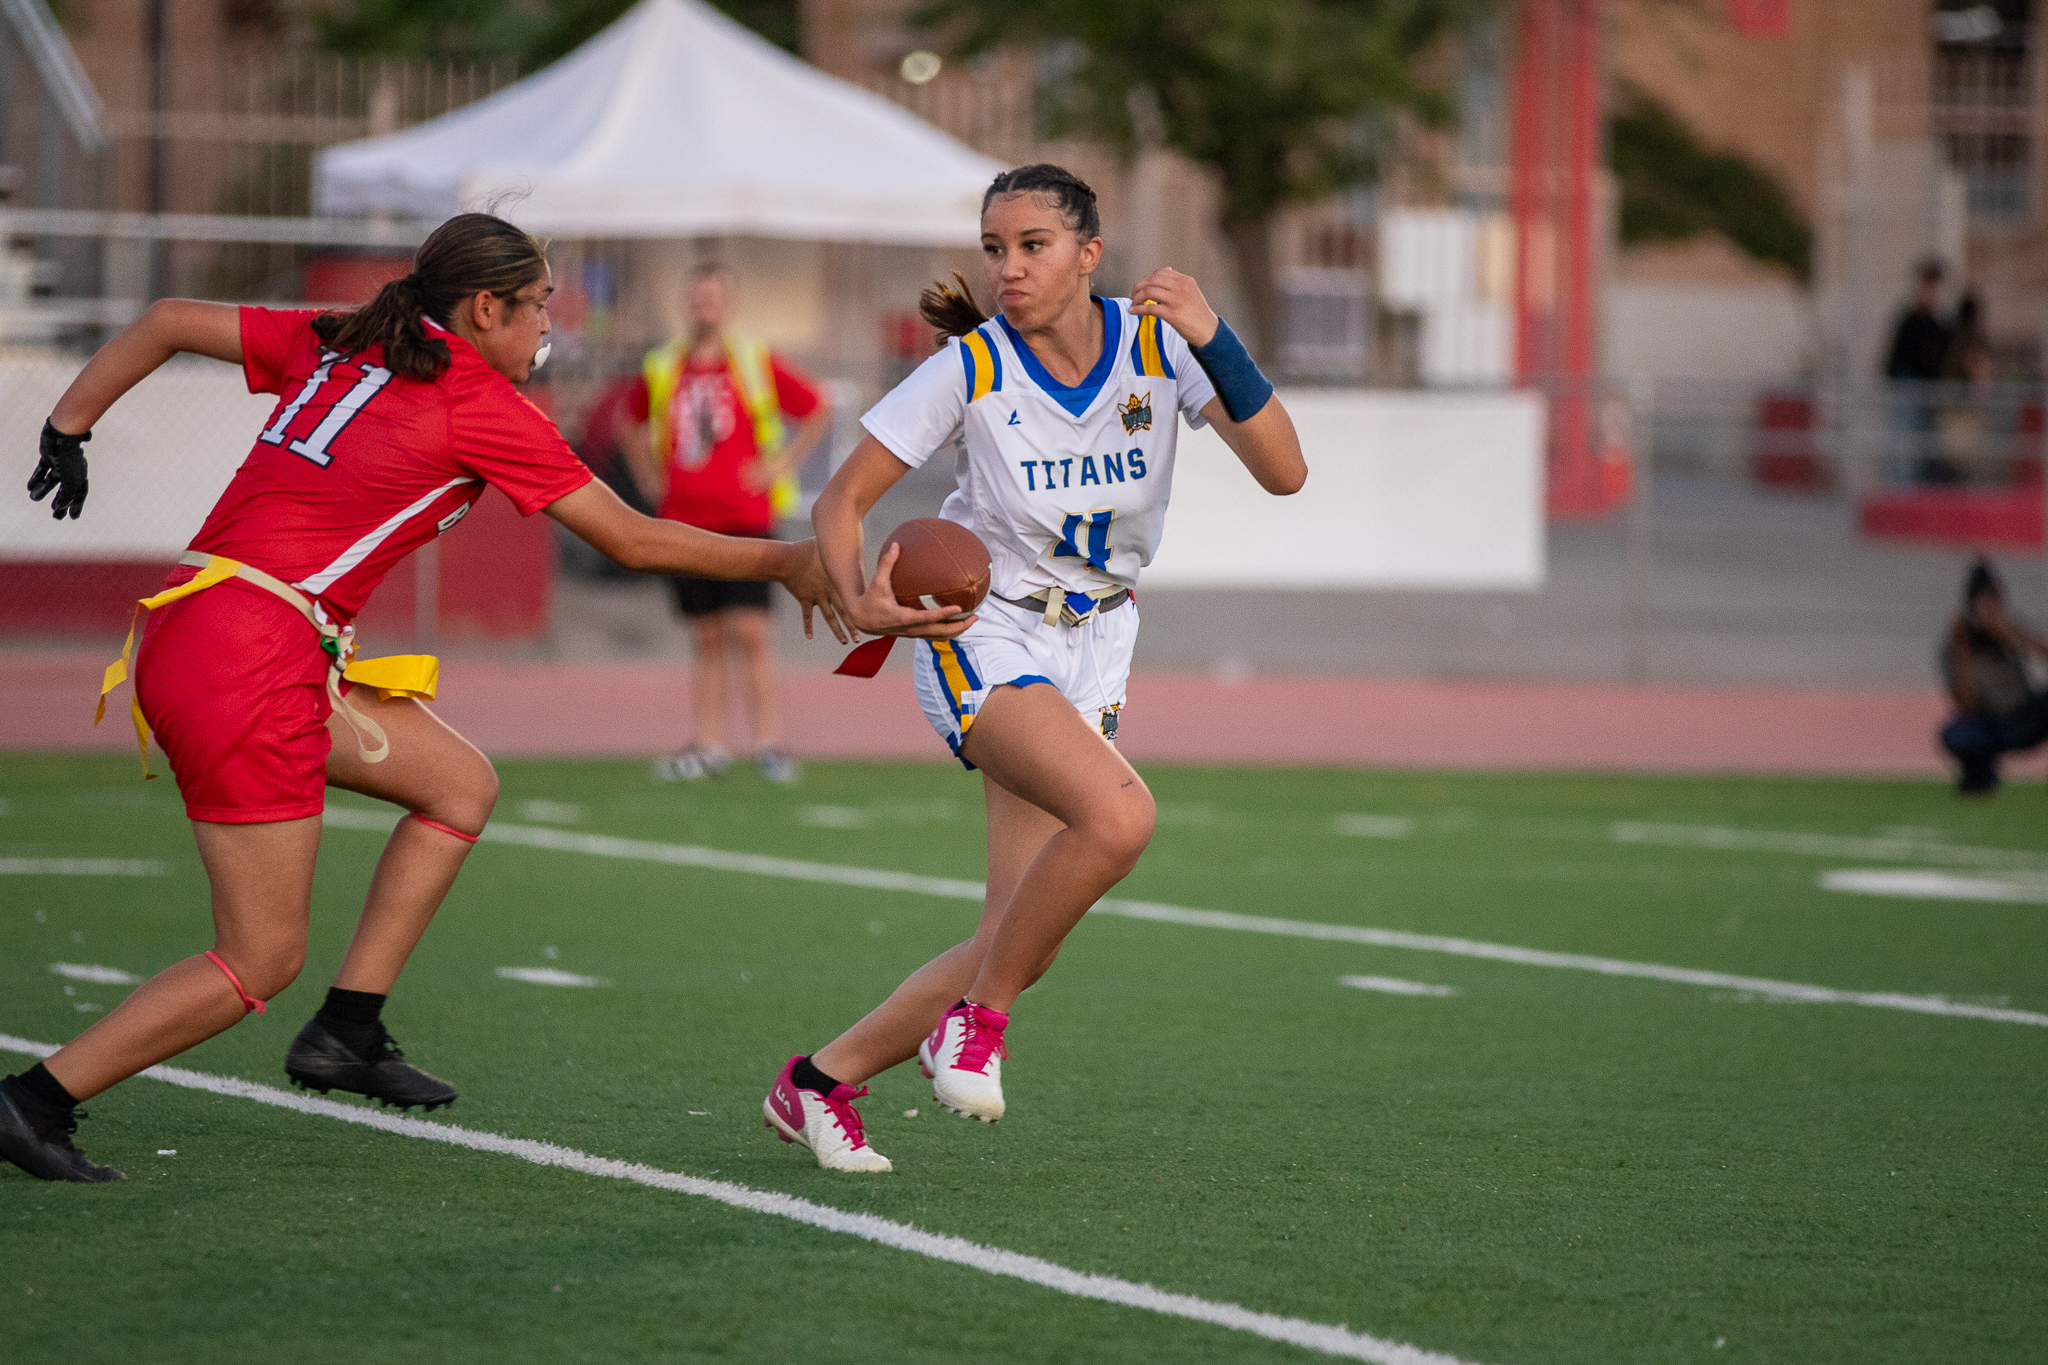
[942, 564]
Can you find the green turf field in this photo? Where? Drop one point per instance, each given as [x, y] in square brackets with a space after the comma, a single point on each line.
[1549, 1166]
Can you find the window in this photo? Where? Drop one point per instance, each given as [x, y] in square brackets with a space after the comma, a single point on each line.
[1981, 116]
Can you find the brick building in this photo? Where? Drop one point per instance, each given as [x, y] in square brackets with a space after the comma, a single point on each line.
[1901, 129]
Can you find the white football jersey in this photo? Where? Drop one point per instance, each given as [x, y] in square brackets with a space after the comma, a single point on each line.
[1066, 486]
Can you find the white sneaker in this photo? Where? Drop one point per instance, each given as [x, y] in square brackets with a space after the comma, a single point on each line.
[693, 764]
[827, 1124]
[964, 1057]
[777, 766]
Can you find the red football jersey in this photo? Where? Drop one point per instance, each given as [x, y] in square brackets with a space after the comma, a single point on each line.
[357, 467]
[711, 443]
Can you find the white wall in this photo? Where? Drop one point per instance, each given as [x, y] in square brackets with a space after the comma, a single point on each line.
[1724, 333]
[157, 461]
[1405, 490]
[1456, 269]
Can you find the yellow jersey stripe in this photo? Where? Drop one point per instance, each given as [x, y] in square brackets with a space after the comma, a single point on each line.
[955, 679]
[983, 380]
[1148, 348]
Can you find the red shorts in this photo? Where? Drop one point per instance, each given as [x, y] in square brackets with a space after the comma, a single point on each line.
[234, 683]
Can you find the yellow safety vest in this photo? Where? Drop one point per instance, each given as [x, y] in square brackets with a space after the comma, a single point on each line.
[753, 374]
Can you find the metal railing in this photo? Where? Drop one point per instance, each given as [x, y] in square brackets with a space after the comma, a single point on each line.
[208, 194]
[1799, 436]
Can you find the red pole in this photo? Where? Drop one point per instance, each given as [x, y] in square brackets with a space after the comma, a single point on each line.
[1555, 181]
[1580, 485]
[1530, 191]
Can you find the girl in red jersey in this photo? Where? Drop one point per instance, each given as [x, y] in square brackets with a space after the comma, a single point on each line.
[390, 422]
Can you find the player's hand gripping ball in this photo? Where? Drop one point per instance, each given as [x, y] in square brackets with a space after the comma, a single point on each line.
[941, 564]
[62, 468]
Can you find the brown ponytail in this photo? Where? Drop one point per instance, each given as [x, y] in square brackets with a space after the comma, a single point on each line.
[953, 312]
[465, 256]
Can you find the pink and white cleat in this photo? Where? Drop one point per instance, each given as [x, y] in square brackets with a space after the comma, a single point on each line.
[964, 1058]
[827, 1124]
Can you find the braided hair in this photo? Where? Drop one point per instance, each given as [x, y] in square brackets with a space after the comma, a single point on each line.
[950, 309]
[469, 254]
[1068, 192]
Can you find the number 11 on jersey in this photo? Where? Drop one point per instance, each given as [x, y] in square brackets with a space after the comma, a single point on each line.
[1097, 526]
[313, 445]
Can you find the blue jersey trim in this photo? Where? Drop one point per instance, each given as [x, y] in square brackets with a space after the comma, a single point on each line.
[967, 669]
[1077, 398]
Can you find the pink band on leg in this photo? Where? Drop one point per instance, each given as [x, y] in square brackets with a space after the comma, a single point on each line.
[250, 1004]
[446, 829]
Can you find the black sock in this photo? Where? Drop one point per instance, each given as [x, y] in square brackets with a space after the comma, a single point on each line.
[38, 1084]
[352, 1016]
[808, 1077]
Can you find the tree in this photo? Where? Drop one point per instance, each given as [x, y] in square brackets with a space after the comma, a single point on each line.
[533, 32]
[1673, 189]
[1287, 100]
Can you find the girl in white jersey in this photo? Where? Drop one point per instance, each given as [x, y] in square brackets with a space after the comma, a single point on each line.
[1061, 413]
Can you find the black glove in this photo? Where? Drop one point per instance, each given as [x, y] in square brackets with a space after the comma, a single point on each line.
[63, 468]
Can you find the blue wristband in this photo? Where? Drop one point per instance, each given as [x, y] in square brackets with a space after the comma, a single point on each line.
[1230, 367]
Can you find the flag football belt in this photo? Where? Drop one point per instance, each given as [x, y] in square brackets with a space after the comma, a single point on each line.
[1053, 607]
[396, 675]
[1068, 609]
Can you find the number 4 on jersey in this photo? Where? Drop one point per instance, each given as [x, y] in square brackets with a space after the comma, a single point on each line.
[313, 445]
[1097, 526]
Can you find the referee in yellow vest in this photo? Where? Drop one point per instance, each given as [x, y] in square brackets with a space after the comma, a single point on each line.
[719, 455]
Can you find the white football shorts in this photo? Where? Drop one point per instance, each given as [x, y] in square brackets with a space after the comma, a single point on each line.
[1089, 663]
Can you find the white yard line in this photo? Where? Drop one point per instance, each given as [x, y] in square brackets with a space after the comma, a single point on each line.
[88, 971]
[549, 976]
[875, 879]
[80, 867]
[1920, 884]
[1536, 957]
[1314, 1336]
[1394, 985]
[683, 855]
[1375, 826]
[1824, 845]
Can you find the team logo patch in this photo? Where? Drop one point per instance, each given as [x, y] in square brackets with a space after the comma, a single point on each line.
[1136, 415]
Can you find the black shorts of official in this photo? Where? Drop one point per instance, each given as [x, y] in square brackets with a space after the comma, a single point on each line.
[707, 596]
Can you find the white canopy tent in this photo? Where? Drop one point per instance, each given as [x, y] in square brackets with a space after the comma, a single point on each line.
[675, 122]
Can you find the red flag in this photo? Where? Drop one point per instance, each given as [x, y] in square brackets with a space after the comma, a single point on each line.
[867, 658]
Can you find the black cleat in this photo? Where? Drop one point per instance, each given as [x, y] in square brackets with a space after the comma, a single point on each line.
[320, 1061]
[37, 1138]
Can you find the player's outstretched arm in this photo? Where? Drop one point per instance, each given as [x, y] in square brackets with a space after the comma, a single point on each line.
[168, 327]
[1261, 434]
[654, 545]
[871, 605]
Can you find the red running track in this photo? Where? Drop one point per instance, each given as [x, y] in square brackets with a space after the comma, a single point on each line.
[638, 709]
